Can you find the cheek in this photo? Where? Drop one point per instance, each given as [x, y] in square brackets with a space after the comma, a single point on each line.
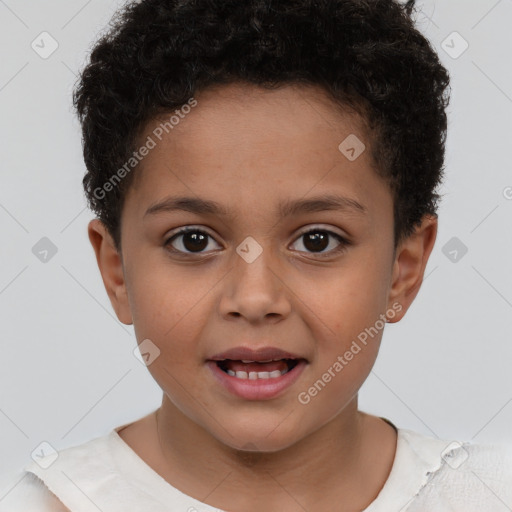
[347, 328]
[347, 301]
[338, 373]
[167, 305]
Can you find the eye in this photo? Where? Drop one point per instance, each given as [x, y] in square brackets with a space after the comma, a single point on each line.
[317, 241]
[192, 240]
[189, 240]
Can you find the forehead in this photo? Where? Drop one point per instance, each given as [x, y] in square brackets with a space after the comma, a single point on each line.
[244, 112]
[242, 145]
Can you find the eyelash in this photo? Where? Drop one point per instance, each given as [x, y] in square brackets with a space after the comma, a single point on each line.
[343, 241]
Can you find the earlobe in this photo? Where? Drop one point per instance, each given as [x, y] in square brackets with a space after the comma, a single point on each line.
[111, 269]
[409, 266]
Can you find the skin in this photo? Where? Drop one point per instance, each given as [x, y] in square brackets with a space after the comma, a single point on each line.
[249, 149]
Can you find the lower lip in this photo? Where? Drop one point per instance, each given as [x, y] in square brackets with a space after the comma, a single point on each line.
[257, 389]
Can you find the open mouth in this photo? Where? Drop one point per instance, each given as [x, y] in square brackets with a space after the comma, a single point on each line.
[262, 374]
[255, 370]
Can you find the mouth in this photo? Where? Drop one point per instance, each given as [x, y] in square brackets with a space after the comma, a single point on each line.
[254, 370]
[256, 374]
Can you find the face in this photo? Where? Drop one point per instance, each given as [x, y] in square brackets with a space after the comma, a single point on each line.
[254, 279]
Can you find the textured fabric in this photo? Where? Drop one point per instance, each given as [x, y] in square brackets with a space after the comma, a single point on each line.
[428, 475]
[30, 494]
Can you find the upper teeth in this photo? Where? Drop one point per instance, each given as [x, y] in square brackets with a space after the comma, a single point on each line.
[257, 375]
[267, 361]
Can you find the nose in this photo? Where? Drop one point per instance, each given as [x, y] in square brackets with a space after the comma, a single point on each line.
[256, 291]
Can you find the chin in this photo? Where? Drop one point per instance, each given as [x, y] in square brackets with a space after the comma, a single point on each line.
[260, 436]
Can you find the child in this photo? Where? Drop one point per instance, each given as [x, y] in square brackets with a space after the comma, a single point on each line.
[264, 175]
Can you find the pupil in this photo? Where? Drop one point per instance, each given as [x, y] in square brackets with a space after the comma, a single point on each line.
[316, 241]
[197, 241]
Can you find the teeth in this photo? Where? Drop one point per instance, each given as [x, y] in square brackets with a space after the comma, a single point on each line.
[256, 375]
[267, 361]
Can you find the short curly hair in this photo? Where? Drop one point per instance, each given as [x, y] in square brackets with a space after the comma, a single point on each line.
[367, 54]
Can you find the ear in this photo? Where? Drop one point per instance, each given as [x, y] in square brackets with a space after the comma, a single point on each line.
[111, 269]
[409, 266]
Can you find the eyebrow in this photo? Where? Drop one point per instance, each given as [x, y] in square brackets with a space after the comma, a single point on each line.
[286, 209]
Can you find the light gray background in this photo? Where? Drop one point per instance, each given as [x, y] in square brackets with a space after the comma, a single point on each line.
[67, 371]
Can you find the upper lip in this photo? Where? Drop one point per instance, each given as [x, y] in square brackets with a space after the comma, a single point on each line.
[250, 354]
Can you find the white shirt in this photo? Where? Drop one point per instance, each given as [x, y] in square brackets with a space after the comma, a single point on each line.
[105, 474]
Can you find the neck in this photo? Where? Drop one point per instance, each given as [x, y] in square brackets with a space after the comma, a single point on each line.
[337, 457]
